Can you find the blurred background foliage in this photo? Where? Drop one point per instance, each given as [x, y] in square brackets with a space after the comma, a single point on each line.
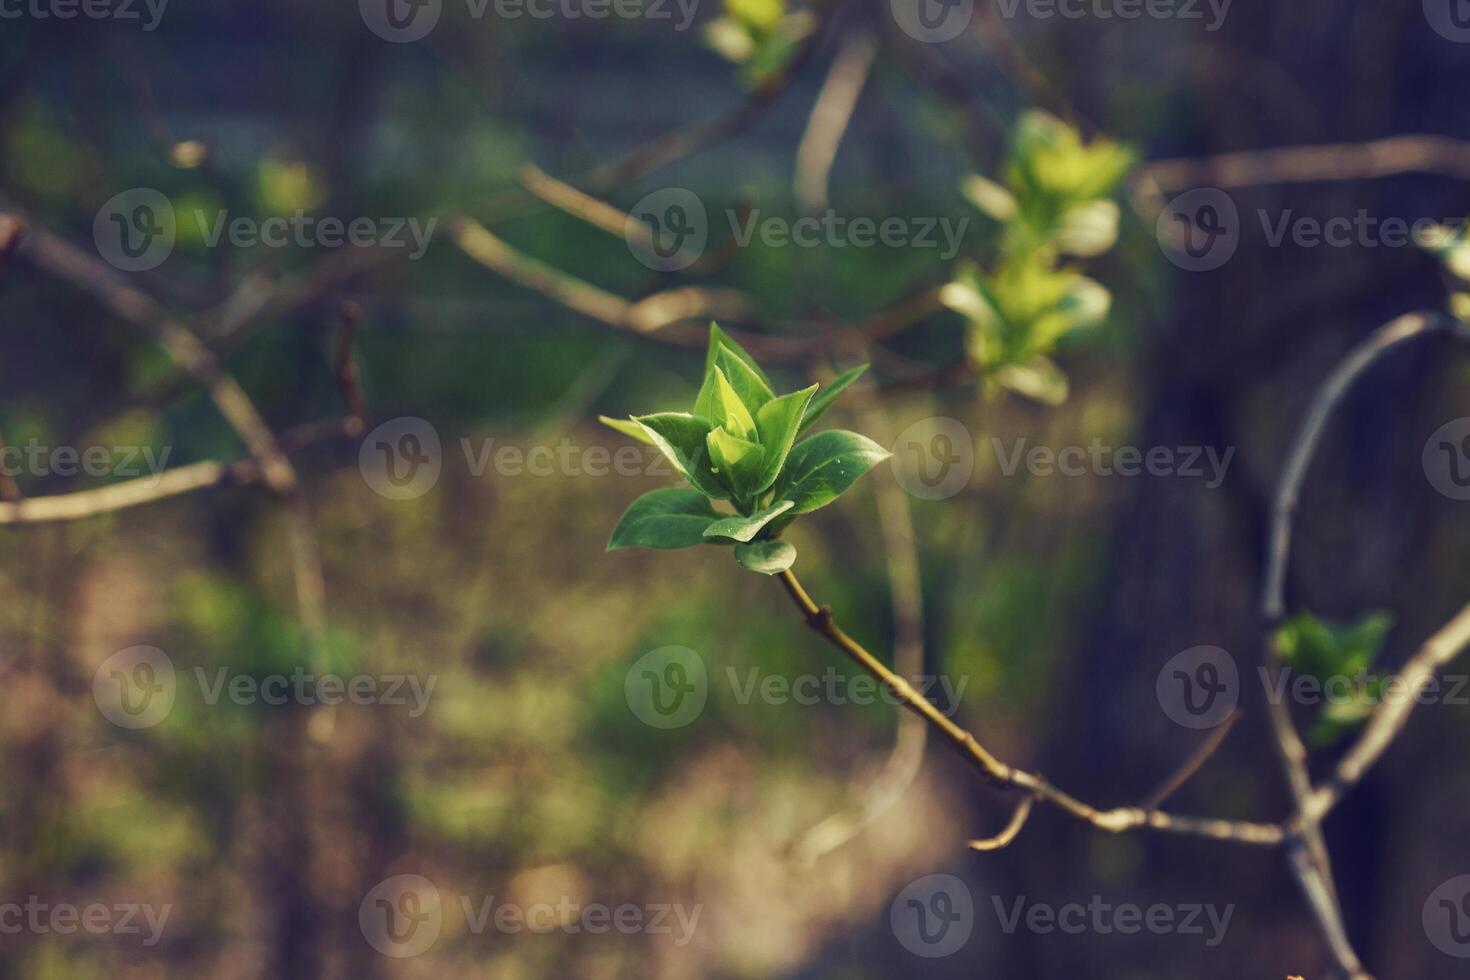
[528, 778]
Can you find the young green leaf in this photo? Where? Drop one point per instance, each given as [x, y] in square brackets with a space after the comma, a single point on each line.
[742, 528]
[766, 557]
[666, 519]
[777, 422]
[681, 438]
[736, 461]
[821, 468]
[730, 412]
[717, 339]
[823, 399]
[754, 390]
[1324, 649]
[627, 427]
[1035, 377]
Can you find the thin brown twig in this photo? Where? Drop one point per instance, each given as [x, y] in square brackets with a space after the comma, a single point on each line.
[830, 116]
[1193, 764]
[1392, 715]
[149, 489]
[1011, 829]
[1312, 863]
[1118, 820]
[1324, 162]
[189, 353]
[906, 600]
[345, 369]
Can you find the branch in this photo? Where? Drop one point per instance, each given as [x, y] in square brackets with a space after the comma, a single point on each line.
[906, 600]
[1326, 161]
[1311, 861]
[149, 489]
[829, 119]
[1000, 774]
[1392, 715]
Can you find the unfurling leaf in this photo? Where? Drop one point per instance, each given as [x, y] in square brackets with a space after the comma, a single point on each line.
[742, 528]
[736, 462]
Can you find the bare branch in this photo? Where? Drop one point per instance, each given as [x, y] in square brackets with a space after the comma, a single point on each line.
[1327, 161]
[1114, 821]
[829, 119]
[1193, 764]
[1008, 834]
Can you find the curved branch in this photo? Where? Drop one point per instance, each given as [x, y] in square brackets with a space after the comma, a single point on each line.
[1002, 775]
